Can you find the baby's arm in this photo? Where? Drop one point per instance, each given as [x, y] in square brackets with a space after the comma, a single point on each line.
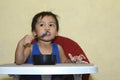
[63, 58]
[23, 49]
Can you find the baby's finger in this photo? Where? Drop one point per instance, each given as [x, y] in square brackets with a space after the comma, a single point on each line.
[71, 57]
[81, 57]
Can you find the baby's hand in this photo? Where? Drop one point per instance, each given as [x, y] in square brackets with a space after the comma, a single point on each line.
[73, 59]
[78, 59]
[27, 39]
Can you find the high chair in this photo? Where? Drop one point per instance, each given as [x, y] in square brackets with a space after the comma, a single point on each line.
[69, 46]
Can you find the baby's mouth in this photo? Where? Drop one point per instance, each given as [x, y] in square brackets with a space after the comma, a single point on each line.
[48, 33]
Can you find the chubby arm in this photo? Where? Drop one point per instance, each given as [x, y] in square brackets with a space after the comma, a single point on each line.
[63, 58]
[23, 50]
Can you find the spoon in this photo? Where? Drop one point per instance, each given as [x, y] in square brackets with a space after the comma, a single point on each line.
[43, 34]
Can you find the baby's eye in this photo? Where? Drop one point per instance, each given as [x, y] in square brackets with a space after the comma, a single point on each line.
[51, 24]
[41, 24]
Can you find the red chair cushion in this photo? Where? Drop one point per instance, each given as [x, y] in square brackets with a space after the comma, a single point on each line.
[69, 46]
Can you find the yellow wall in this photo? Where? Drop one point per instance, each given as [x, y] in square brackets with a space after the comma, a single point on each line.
[94, 24]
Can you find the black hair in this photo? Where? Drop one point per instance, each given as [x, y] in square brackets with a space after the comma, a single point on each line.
[43, 14]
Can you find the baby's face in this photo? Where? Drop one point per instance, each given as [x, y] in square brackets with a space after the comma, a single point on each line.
[47, 23]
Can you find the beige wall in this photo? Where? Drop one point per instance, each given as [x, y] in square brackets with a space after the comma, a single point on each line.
[94, 24]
